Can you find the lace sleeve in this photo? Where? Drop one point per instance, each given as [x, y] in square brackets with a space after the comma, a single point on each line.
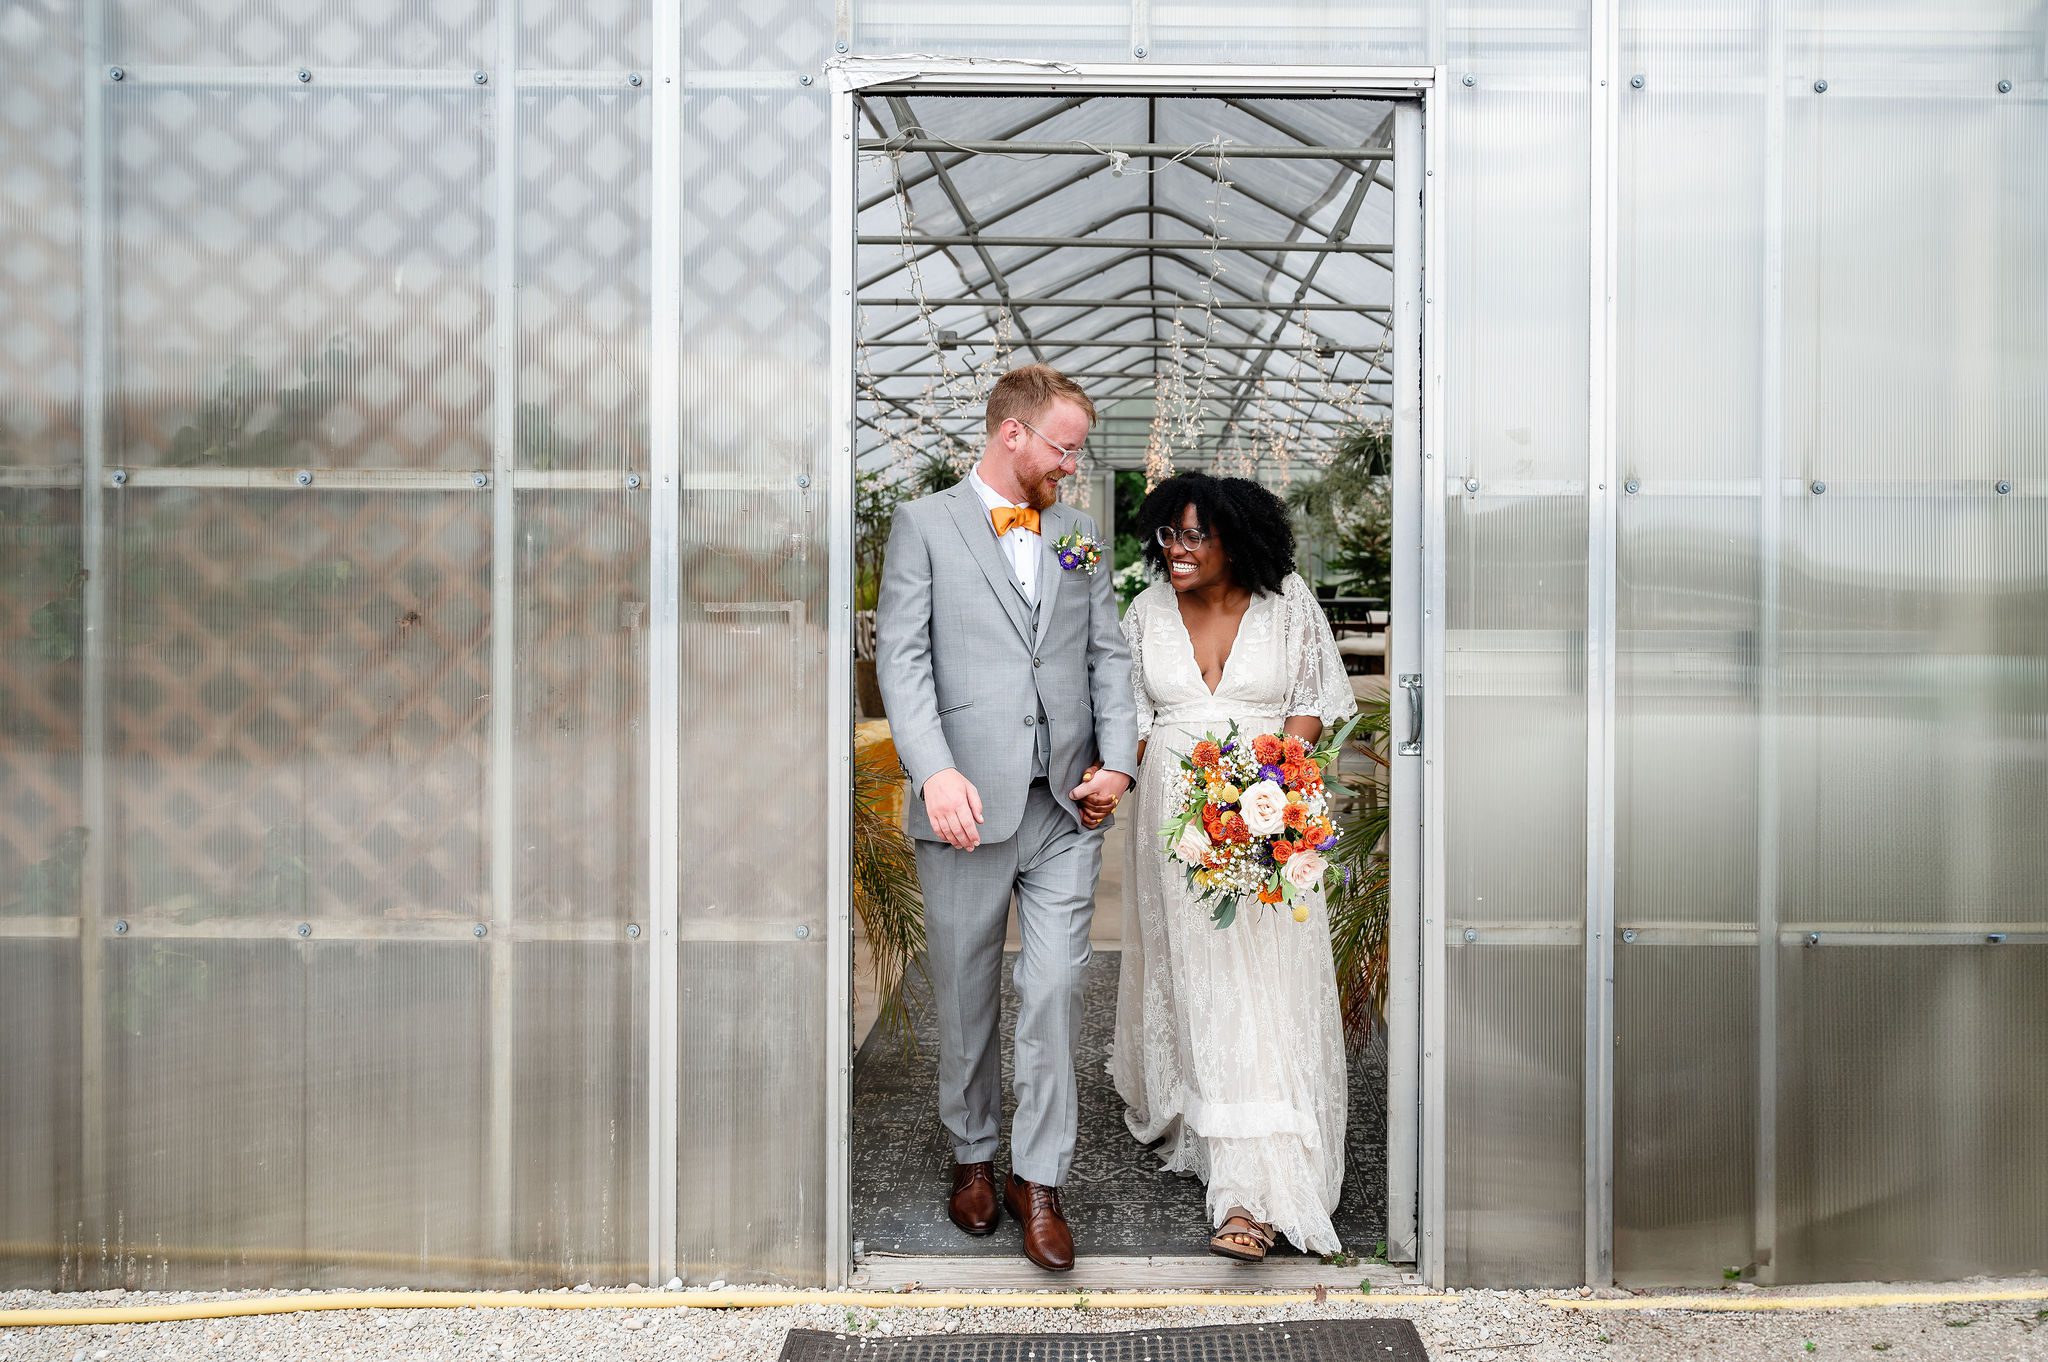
[1134, 634]
[1320, 686]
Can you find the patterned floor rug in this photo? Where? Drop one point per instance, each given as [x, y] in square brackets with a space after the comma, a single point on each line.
[1117, 1199]
[1316, 1340]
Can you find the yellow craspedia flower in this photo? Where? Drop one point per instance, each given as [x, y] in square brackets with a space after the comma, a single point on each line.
[1301, 912]
[1231, 794]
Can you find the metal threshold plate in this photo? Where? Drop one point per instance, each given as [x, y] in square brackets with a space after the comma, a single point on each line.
[1322, 1340]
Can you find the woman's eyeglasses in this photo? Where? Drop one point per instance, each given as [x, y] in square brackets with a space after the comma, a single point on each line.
[1191, 540]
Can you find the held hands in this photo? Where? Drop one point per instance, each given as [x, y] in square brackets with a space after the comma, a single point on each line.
[1098, 793]
[954, 806]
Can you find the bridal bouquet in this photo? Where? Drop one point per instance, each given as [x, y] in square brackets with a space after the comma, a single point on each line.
[1252, 819]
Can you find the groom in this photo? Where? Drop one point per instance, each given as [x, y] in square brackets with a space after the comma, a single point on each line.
[1008, 687]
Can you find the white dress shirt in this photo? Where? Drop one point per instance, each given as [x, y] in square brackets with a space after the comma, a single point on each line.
[1022, 546]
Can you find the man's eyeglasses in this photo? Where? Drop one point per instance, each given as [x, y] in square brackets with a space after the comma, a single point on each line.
[1191, 540]
[1072, 456]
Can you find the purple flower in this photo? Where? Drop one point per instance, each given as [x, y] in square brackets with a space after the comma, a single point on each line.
[1069, 559]
[1326, 844]
[1228, 748]
[1272, 773]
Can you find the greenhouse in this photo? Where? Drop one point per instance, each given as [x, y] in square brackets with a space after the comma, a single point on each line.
[441, 454]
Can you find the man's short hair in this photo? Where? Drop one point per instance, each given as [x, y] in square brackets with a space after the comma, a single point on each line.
[1025, 393]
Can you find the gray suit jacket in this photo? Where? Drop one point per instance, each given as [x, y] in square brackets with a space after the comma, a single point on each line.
[962, 666]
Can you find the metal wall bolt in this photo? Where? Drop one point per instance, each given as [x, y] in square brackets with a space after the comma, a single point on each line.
[1993, 938]
[2002, 487]
[803, 933]
[305, 929]
[482, 78]
[803, 80]
[305, 76]
[1471, 933]
[1820, 489]
[1470, 79]
[303, 477]
[1820, 87]
[480, 931]
[1632, 486]
[632, 482]
[839, 46]
[120, 477]
[2005, 87]
[116, 73]
[1628, 934]
[1138, 52]
[1471, 484]
[1813, 938]
[633, 79]
[1637, 82]
[480, 479]
[121, 926]
[803, 479]
[633, 930]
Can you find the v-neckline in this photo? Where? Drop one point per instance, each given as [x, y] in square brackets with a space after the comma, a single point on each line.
[1229, 654]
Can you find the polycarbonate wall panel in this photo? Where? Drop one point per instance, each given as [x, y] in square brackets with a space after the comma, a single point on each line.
[322, 827]
[302, 276]
[1833, 685]
[758, 486]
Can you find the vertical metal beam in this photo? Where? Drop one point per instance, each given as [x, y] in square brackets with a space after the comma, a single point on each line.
[839, 708]
[504, 624]
[1404, 778]
[664, 699]
[1770, 526]
[1598, 1115]
[99, 631]
[1433, 1210]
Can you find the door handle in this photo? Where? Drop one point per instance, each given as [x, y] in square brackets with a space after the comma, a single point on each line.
[1412, 683]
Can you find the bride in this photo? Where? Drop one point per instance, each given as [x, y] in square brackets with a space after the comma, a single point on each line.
[1229, 1050]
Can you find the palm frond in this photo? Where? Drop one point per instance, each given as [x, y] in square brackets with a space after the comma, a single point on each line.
[886, 898]
[1359, 904]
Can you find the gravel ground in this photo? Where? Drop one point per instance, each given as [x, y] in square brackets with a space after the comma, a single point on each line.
[1512, 1326]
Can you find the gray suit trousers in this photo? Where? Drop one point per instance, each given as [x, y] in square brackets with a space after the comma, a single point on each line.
[1052, 865]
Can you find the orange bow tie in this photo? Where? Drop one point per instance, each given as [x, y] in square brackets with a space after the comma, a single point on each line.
[1007, 518]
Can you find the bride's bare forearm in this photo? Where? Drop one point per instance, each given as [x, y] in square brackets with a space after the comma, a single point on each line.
[1306, 727]
[1141, 750]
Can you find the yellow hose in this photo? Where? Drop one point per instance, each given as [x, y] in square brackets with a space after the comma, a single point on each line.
[1864, 1301]
[696, 1300]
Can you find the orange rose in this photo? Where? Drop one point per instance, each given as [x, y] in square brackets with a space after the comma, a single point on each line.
[1302, 775]
[1206, 754]
[1212, 820]
[1282, 849]
[1268, 894]
[1296, 749]
[1267, 749]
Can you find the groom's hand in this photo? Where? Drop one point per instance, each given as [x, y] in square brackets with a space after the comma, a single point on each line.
[954, 806]
[1098, 793]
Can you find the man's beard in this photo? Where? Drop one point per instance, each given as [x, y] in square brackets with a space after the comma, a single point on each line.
[1041, 494]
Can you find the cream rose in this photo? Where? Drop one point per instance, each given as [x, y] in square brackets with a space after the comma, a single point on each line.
[1264, 807]
[1194, 845]
[1304, 870]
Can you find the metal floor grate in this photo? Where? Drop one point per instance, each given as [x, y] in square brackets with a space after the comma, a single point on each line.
[1328, 1340]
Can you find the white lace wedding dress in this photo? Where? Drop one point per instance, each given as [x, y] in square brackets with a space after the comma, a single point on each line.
[1228, 1047]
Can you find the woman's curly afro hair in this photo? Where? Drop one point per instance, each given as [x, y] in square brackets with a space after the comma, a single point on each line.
[1249, 522]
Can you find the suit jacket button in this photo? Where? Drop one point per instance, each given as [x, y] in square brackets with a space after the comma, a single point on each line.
[1030, 719]
[1038, 662]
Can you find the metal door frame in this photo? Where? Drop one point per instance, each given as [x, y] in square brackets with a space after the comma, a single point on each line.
[1415, 1010]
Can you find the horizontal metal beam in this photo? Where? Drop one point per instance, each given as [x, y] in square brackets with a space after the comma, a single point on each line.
[1136, 150]
[1114, 343]
[1177, 301]
[1127, 243]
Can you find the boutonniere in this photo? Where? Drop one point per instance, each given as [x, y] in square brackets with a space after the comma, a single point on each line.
[1077, 550]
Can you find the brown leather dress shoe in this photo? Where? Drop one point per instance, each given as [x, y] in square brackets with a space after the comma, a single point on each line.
[973, 1204]
[1047, 1240]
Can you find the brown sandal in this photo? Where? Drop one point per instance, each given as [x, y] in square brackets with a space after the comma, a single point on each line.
[1223, 1242]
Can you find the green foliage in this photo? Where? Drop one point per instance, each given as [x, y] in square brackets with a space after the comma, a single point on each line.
[247, 425]
[53, 886]
[886, 897]
[1349, 510]
[1358, 903]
